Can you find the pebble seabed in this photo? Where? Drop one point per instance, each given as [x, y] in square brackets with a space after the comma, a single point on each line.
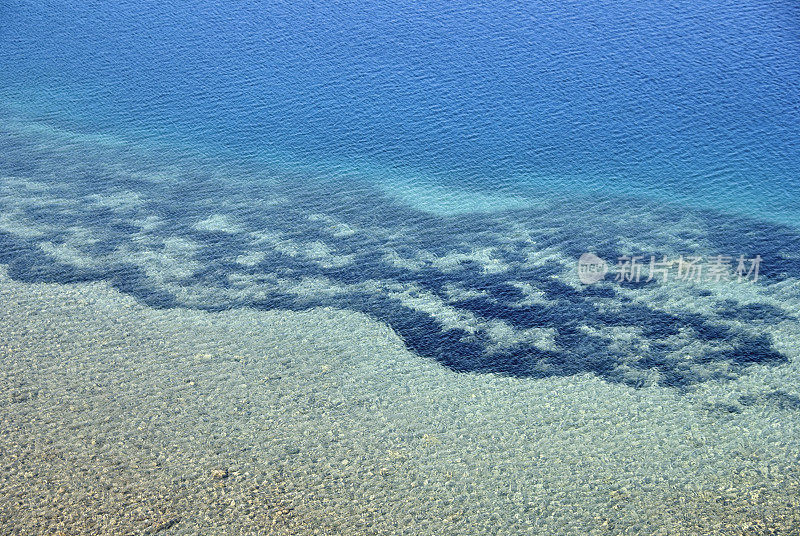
[118, 418]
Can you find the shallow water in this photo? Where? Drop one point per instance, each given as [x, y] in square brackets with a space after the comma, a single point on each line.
[364, 225]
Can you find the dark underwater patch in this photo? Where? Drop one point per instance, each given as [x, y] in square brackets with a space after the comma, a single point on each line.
[752, 312]
[581, 320]
[722, 409]
[783, 400]
[10, 247]
[777, 399]
[133, 281]
[743, 236]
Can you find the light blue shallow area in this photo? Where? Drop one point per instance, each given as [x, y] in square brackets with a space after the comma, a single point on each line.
[688, 101]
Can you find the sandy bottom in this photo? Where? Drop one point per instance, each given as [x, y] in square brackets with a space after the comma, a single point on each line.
[117, 418]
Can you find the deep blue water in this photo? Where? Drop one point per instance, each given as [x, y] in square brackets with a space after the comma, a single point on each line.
[693, 100]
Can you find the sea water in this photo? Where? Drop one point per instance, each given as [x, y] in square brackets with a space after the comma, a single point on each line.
[451, 171]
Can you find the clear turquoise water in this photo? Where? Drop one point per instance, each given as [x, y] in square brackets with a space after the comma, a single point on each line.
[353, 231]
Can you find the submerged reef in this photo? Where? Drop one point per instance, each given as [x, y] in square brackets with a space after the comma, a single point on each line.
[489, 292]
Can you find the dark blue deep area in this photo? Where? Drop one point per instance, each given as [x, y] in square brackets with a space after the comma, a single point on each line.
[694, 99]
